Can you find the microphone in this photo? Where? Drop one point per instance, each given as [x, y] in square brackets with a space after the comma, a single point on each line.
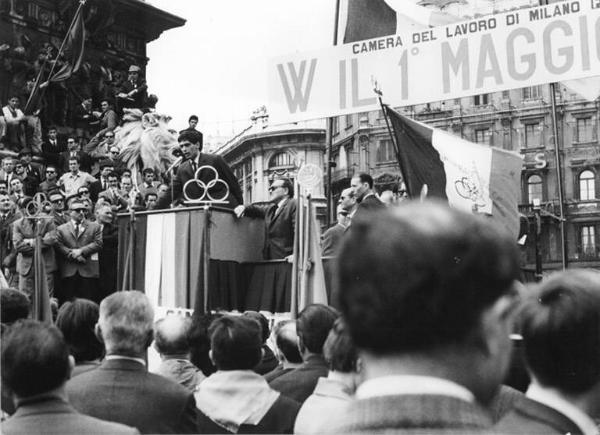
[175, 164]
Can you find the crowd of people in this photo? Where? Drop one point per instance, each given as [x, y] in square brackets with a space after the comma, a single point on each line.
[421, 343]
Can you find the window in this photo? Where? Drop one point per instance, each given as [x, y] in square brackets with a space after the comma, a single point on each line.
[481, 100]
[482, 135]
[248, 167]
[505, 95]
[533, 136]
[587, 188]
[532, 93]
[348, 121]
[280, 160]
[238, 172]
[588, 240]
[583, 130]
[385, 151]
[534, 188]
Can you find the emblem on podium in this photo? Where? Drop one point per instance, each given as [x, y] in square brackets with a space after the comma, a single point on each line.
[206, 187]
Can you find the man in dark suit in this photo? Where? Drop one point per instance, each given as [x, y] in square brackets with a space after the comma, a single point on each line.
[122, 389]
[52, 148]
[429, 299]
[83, 118]
[85, 160]
[35, 367]
[280, 219]
[79, 241]
[362, 185]
[108, 255]
[32, 172]
[313, 325]
[8, 254]
[332, 238]
[134, 91]
[560, 322]
[190, 143]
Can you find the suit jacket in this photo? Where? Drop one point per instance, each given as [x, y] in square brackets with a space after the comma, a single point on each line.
[278, 419]
[280, 226]
[411, 413]
[119, 200]
[301, 382]
[124, 391]
[531, 417]
[369, 204]
[7, 252]
[108, 257]
[51, 153]
[52, 415]
[139, 98]
[331, 239]
[83, 118]
[22, 230]
[185, 172]
[89, 241]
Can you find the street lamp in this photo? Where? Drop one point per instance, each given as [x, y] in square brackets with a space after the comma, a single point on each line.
[537, 238]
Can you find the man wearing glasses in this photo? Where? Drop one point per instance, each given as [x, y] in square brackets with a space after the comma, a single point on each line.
[78, 242]
[57, 200]
[133, 92]
[280, 219]
[51, 181]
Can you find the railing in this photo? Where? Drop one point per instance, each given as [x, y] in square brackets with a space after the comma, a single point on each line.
[341, 174]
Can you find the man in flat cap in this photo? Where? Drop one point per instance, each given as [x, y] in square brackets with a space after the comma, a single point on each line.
[134, 90]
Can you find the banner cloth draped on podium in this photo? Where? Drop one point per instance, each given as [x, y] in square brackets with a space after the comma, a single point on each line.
[171, 250]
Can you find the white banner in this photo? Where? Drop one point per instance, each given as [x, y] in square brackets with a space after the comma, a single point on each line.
[525, 47]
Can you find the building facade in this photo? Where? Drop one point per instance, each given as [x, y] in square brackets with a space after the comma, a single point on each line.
[519, 120]
[263, 154]
[32, 31]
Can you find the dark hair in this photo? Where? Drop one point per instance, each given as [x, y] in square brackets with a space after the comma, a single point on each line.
[560, 325]
[193, 117]
[419, 276]
[14, 305]
[76, 159]
[262, 321]
[35, 358]
[287, 184]
[112, 174]
[191, 136]
[313, 325]
[149, 194]
[148, 171]
[287, 341]
[365, 178]
[339, 350]
[199, 341]
[76, 320]
[53, 127]
[173, 342]
[235, 342]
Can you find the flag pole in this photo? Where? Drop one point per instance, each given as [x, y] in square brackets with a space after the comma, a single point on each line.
[60, 50]
[384, 109]
[329, 148]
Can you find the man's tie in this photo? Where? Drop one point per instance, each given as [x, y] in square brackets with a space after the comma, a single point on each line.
[77, 230]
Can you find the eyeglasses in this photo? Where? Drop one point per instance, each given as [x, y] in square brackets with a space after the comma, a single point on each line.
[50, 172]
[84, 192]
[56, 201]
[108, 136]
[70, 141]
[114, 152]
[79, 210]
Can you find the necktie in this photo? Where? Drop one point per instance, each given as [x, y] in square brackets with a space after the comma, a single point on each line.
[77, 230]
[194, 166]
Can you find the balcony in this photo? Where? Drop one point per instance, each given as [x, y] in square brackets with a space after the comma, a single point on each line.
[583, 207]
[341, 174]
[547, 208]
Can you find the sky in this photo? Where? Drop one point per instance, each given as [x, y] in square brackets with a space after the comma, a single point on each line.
[215, 66]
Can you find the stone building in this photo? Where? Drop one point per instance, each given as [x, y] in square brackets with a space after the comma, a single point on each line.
[262, 154]
[519, 120]
[32, 31]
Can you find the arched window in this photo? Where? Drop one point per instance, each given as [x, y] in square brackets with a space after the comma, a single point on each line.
[534, 188]
[280, 160]
[587, 185]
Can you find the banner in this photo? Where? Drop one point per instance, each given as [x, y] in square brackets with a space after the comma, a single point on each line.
[521, 48]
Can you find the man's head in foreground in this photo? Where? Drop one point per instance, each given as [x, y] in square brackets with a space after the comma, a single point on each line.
[428, 290]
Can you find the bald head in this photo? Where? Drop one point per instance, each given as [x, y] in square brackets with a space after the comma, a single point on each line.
[347, 199]
[171, 335]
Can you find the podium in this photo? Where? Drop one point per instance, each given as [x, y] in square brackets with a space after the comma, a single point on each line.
[201, 258]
